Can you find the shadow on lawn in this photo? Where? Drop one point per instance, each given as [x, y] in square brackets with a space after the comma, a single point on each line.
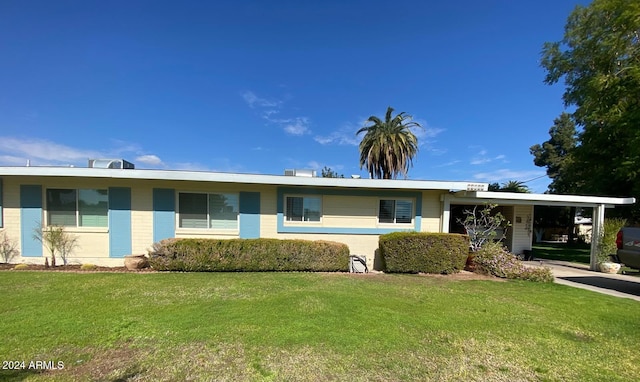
[628, 287]
[17, 375]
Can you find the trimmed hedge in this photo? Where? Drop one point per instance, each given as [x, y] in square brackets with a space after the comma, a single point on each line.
[414, 252]
[249, 255]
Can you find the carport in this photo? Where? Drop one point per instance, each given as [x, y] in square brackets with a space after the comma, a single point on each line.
[520, 212]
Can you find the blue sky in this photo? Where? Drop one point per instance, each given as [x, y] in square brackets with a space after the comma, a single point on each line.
[260, 86]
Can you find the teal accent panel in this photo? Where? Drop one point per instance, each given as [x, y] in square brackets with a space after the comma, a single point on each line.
[282, 191]
[1, 214]
[119, 221]
[164, 213]
[30, 219]
[249, 215]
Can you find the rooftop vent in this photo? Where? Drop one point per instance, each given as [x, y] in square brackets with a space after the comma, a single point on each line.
[111, 163]
[477, 187]
[300, 172]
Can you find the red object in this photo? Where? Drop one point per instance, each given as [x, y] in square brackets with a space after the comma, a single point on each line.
[619, 240]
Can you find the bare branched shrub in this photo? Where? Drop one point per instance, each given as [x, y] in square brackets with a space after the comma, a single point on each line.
[482, 226]
[57, 241]
[8, 248]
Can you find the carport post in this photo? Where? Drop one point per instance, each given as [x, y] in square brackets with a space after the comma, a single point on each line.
[446, 214]
[596, 231]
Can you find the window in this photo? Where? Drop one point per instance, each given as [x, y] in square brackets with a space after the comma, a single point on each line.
[395, 211]
[77, 208]
[214, 211]
[303, 209]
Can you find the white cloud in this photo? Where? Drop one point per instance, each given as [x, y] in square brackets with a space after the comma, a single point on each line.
[451, 163]
[39, 150]
[253, 100]
[296, 126]
[272, 107]
[9, 160]
[506, 175]
[344, 136]
[482, 158]
[425, 131]
[149, 159]
[477, 161]
[319, 166]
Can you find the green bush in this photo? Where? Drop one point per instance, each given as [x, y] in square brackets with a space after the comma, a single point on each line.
[250, 255]
[88, 267]
[414, 252]
[21, 266]
[494, 259]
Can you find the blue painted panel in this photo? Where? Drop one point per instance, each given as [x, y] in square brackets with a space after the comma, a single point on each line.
[164, 213]
[249, 215]
[119, 221]
[417, 196]
[30, 219]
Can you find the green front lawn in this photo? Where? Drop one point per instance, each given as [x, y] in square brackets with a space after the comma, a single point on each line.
[312, 326]
[577, 253]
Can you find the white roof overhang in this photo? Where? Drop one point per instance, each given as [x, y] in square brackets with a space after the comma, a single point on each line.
[222, 177]
[512, 198]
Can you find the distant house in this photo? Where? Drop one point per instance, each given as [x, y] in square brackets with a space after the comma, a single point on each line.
[118, 211]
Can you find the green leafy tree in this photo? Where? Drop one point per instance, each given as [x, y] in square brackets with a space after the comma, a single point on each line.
[599, 61]
[556, 154]
[327, 172]
[388, 147]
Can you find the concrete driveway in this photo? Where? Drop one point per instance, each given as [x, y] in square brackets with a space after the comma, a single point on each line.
[579, 276]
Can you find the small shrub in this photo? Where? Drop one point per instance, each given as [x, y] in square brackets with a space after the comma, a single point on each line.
[21, 266]
[541, 275]
[87, 267]
[607, 240]
[414, 252]
[496, 260]
[252, 255]
[8, 248]
[58, 241]
[482, 226]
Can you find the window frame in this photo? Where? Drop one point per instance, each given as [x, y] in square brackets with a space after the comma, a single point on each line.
[77, 216]
[395, 217]
[208, 211]
[303, 197]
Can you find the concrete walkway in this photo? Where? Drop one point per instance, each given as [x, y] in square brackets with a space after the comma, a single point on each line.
[579, 276]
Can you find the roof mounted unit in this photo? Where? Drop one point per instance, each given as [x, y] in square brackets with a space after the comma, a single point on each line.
[300, 172]
[477, 186]
[111, 163]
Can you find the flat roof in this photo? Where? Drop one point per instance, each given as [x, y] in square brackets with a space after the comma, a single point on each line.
[224, 177]
[539, 199]
[462, 190]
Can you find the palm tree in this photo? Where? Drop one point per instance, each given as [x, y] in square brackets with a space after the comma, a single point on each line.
[515, 186]
[388, 147]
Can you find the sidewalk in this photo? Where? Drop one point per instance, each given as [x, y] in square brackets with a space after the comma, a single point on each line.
[579, 276]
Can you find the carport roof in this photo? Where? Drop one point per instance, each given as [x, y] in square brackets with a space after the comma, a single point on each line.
[513, 198]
